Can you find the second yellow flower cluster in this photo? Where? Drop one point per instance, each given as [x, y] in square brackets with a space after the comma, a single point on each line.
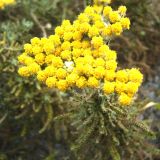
[4, 3]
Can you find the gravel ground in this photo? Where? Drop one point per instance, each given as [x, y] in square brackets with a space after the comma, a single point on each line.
[151, 91]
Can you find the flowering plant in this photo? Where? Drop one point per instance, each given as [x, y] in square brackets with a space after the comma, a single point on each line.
[77, 58]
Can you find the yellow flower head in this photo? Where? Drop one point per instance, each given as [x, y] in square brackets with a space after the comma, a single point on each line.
[110, 75]
[50, 71]
[35, 41]
[114, 16]
[40, 58]
[88, 70]
[93, 31]
[28, 48]
[132, 87]
[28, 60]
[61, 73]
[33, 68]
[66, 23]
[81, 82]
[51, 82]
[22, 58]
[41, 76]
[62, 85]
[83, 18]
[120, 87]
[125, 22]
[89, 10]
[111, 65]
[122, 76]
[48, 59]
[122, 10]
[98, 9]
[57, 62]
[24, 71]
[59, 31]
[97, 42]
[68, 36]
[124, 99]
[107, 31]
[49, 48]
[135, 75]
[116, 28]
[108, 87]
[111, 55]
[55, 39]
[99, 72]
[66, 55]
[93, 82]
[66, 45]
[99, 62]
[107, 10]
[72, 78]
[77, 36]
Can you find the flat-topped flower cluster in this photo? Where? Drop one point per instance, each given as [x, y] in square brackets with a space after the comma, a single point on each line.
[4, 3]
[77, 55]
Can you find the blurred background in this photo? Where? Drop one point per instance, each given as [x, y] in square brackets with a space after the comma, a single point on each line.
[27, 108]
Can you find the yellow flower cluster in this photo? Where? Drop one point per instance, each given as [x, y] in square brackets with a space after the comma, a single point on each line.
[4, 3]
[77, 54]
[127, 84]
